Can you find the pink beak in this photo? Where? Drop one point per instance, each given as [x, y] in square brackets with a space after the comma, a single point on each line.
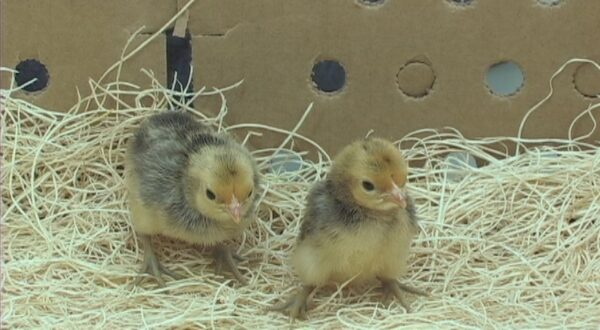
[235, 209]
[399, 196]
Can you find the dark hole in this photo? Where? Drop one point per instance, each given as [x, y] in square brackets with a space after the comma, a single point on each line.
[549, 2]
[32, 69]
[329, 76]
[371, 2]
[461, 2]
[179, 60]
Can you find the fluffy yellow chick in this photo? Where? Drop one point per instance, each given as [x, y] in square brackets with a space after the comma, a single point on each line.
[186, 182]
[358, 224]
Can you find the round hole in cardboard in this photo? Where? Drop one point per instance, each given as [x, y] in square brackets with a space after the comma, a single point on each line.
[505, 78]
[462, 3]
[32, 75]
[459, 165]
[371, 2]
[549, 3]
[586, 80]
[328, 76]
[286, 161]
[415, 79]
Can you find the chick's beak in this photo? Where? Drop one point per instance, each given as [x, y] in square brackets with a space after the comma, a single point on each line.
[399, 196]
[235, 209]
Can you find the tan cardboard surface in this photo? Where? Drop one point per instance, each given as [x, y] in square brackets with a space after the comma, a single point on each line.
[273, 44]
[78, 40]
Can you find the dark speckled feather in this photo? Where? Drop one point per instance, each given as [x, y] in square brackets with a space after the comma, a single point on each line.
[161, 150]
[328, 204]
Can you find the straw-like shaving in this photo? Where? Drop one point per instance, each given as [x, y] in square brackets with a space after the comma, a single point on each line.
[512, 244]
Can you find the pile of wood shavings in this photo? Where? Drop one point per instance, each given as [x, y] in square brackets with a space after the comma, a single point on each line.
[512, 243]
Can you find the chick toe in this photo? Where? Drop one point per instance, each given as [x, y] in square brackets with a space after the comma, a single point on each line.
[296, 305]
[224, 257]
[413, 290]
[392, 287]
[152, 266]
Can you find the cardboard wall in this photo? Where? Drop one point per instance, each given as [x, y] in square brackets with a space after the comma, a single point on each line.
[409, 64]
[78, 40]
[273, 45]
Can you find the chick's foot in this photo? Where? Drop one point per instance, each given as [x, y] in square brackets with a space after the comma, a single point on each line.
[152, 266]
[224, 257]
[391, 287]
[295, 306]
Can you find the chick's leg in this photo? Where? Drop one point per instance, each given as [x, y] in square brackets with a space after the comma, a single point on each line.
[151, 264]
[225, 257]
[393, 287]
[295, 306]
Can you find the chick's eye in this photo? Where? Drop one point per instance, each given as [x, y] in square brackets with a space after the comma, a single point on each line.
[210, 195]
[368, 186]
[250, 193]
